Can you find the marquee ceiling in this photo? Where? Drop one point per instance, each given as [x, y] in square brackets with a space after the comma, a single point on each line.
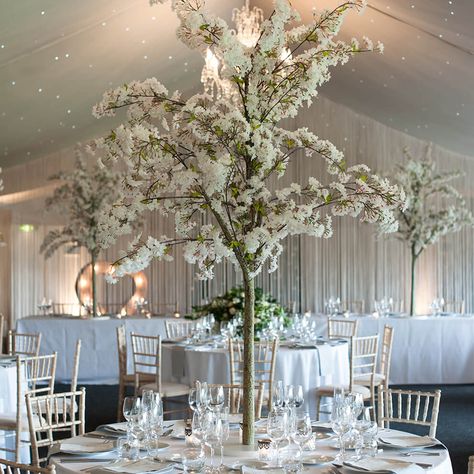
[56, 59]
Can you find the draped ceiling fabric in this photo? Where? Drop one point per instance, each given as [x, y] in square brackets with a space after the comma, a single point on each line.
[56, 59]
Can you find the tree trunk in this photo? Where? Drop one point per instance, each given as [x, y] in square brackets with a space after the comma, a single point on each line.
[249, 366]
[94, 285]
[413, 281]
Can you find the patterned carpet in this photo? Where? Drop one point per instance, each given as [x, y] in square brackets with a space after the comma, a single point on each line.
[455, 426]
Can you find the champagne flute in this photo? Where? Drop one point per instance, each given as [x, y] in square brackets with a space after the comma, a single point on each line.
[298, 396]
[278, 395]
[192, 399]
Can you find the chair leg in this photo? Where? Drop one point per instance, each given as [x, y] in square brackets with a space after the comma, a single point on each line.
[318, 406]
[121, 396]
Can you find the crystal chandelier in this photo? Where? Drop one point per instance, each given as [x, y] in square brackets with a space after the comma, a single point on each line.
[247, 22]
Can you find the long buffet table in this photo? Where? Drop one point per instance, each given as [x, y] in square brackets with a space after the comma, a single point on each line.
[426, 350]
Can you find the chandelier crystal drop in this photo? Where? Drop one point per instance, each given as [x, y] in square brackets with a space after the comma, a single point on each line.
[248, 23]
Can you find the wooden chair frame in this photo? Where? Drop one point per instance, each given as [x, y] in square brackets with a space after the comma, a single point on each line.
[37, 370]
[454, 307]
[55, 412]
[265, 353]
[408, 406]
[125, 379]
[354, 306]
[342, 328]
[179, 329]
[11, 467]
[23, 344]
[234, 394]
[146, 360]
[2, 328]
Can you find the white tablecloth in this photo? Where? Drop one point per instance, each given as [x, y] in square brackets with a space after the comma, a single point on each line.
[311, 368]
[8, 402]
[234, 451]
[99, 361]
[426, 349]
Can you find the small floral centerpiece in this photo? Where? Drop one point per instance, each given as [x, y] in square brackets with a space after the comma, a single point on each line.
[230, 305]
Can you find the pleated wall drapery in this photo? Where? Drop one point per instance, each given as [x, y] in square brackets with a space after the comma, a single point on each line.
[353, 264]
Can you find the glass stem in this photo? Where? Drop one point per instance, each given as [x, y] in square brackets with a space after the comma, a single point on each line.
[342, 448]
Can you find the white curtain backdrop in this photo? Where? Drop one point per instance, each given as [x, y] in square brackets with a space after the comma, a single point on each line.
[353, 264]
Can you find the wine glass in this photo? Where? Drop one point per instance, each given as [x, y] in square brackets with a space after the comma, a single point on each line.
[290, 396]
[131, 411]
[301, 430]
[278, 395]
[202, 398]
[216, 397]
[213, 436]
[341, 423]
[192, 399]
[277, 428]
[298, 396]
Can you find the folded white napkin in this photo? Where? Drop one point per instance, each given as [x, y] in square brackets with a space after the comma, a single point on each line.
[141, 466]
[385, 466]
[253, 470]
[409, 441]
[81, 445]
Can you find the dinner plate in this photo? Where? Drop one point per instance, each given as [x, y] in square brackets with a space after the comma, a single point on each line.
[252, 463]
[317, 460]
[319, 435]
[407, 442]
[86, 449]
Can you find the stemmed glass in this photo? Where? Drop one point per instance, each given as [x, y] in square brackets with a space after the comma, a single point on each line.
[341, 422]
[131, 412]
[277, 428]
[216, 398]
[278, 395]
[152, 419]
[213, 435]
[202, 396]
[192, 399]
[298, 396]
[301, 430]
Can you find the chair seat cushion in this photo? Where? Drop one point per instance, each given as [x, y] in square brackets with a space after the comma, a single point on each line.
[8, 421]
[329, 391]
[365, 379]
[168, 389]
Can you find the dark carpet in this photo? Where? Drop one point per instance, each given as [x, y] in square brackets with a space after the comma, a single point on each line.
[455, 424]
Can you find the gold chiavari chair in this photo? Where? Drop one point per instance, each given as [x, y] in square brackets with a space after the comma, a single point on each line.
[147, 362]
[363, 363]
[11, 467]
[470, 467]
[35, 376]
[342, 328]
[409, 407]
[179, 329]
[23, 344]
[265, 353]
[234, 397]
[50, 413]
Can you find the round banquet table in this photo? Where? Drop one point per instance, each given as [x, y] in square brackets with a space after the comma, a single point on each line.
[234, 451]
[426, 349]
[311, 368]
[8, 402]
[98, 362]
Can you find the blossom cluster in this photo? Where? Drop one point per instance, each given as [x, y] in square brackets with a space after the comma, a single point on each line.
[80, 200]
[218, 159]
[434, 208]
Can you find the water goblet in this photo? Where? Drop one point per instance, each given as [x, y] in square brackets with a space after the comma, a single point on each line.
[193, 460]
[277, 428]
[216, 397]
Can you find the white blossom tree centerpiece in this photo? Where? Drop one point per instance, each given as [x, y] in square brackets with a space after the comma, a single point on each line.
[434, 208]
[80, 200]
[217, 156]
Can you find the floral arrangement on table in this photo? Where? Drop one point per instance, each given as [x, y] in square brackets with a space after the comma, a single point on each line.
[434, 208]
[80, 201]
[230, 305]
[207, 161]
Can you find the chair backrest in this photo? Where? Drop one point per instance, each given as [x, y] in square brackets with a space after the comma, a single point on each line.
[23, 344]
[75, 367]
[409, 407]
[54, 412]
[363, 358]
[234, 397]
[354, 306]
[342, 328]
[11, 467]
[265, 353]
[38, 373]
[146, 352]
[386, 353]
[454, 307]
[397, 306]
[179, 329]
